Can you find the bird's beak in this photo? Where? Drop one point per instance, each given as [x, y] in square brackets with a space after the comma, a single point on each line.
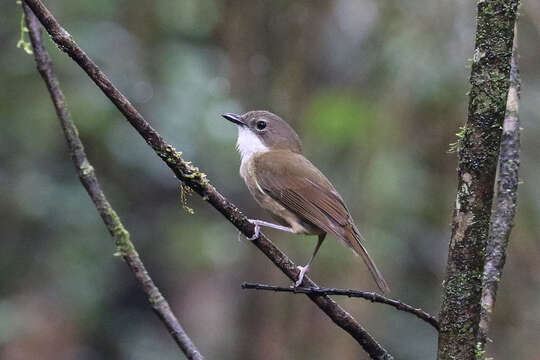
[234, 118]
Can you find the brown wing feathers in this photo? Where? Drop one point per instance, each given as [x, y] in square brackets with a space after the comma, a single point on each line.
[359, 249]
[305, 191]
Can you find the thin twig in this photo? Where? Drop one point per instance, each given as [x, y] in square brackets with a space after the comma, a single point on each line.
[368, 295]
[124, 246]
[504, 211]
[195, 179]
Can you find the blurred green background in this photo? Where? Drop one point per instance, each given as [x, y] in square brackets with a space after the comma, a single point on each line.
[376, 90]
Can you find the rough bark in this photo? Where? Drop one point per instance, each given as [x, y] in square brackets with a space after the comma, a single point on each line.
[87, 176]
[504, 209]
[478, 148]
[196, 180]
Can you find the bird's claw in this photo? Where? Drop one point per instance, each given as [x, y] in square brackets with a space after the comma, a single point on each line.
[303, 271]
[256, 232]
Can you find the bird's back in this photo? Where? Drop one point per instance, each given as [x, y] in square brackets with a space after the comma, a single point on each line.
[296, 185]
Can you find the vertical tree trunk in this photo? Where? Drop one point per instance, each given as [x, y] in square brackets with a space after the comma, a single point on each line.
[479, 144]
[504, 209]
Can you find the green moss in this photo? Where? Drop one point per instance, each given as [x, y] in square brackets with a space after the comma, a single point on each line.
[123, 244]
[156, 299]
[185, 191]
[462, 284]
[86, 168]
[22, 43]
[478, 147]
[189, 173]
[479, 352]
[461, 134]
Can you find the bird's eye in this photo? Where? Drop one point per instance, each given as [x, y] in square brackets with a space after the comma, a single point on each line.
[260, 125]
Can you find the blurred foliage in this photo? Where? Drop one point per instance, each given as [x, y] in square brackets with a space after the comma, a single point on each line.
[377, 92]
[357, 121]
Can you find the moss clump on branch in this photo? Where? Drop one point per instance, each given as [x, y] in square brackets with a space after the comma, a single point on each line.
[186, 191]
[22, 43]
[184, 169]
[122, 241]
[461, 134]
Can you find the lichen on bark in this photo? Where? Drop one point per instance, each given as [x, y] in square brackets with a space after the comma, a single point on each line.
[504, 208]
[477, 153]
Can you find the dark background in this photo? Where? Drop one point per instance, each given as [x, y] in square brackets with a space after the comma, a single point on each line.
[376, 90]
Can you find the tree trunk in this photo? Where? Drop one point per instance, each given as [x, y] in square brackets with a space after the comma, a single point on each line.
[478, 147]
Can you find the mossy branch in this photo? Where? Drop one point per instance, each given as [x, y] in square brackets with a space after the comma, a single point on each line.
[504, 209]
[478, 152]
[196, 180]
[87, 176]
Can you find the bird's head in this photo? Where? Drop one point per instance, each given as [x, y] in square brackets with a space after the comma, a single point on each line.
[261, 131]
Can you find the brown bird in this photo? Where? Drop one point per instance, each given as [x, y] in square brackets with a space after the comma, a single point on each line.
[291, 188]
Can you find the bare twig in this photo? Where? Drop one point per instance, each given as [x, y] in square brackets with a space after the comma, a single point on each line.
[368, 295]
[124, 246]
[504, 211]
[478, 153]
[195, 179]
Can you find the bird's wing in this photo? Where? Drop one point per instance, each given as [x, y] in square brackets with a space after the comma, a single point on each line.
[299, 186]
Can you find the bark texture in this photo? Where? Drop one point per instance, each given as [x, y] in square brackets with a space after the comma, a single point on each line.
[478, 149]
[87, 176]
[504, 209]
[191, 176]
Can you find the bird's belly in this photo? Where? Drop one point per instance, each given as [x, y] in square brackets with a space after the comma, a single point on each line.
[283, 215]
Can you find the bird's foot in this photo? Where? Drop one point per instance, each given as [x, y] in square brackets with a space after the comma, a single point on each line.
[257, 230]
[303, 271]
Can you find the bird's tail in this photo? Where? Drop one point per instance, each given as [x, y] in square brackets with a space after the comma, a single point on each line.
[355, 241]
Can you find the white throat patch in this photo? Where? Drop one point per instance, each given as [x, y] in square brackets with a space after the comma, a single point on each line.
[248, 144]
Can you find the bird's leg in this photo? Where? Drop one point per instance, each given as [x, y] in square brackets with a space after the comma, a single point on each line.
[259, 223]
[305, 269]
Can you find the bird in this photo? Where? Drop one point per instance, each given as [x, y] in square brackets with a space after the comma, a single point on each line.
[298, 195]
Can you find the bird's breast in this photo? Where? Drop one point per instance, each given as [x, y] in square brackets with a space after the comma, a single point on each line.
[248, 173]
[279, 212]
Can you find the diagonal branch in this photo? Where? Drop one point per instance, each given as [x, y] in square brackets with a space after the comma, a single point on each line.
[196, 180]
[504, 211]
[124, 246]
[371, 296]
